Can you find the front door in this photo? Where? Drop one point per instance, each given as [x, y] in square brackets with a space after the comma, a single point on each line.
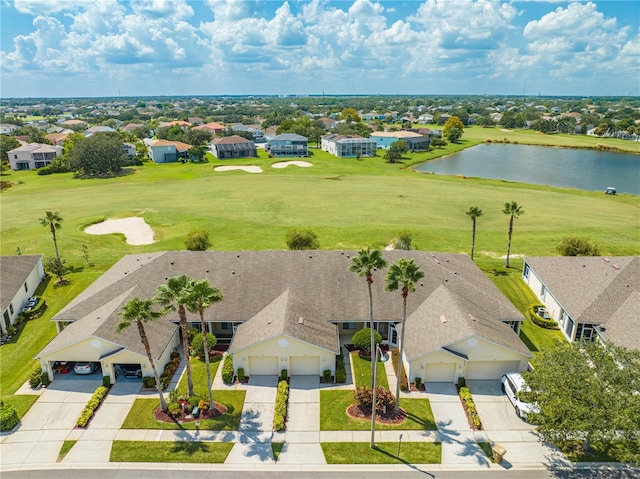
[393, 335]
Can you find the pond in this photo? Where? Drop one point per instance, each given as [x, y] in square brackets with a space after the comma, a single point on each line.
[584, 169]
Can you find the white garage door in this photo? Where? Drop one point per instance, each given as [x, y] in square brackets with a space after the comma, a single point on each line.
[439, 372]
[259, 365]
[490, 369]
[305, 365]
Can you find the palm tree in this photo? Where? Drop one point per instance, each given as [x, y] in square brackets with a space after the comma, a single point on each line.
[201, 295]
[53, 220]
[173, 295]
[406, 273]
[474, 213]
[141, 311]
[514, 211]
[363, 265]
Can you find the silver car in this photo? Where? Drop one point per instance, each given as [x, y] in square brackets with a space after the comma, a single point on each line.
[85, 368]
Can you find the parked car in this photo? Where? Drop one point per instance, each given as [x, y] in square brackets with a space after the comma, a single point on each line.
[131, 370]
[513, 386]
[84, 367]
[30, 304]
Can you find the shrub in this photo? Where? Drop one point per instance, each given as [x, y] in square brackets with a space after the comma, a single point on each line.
[341, 372]
[537, 320]
[44, 379]
[197, 240]
[203, 405]
[197, 344]
[284, 375]
[174, 355]
[404, 382]
[8, 417]
[169, 370]
[362, 339]
[402, 241]
[301, 239]
[240, 374]
[174, 408]
[417, 382]
[465, 395]
[92, 405]
[227, 369]
[462, 382]
[326, 375]
[36, 375]
[148, 382]
[364, 398]
[106, 381]
[574, 246]
[280, 408]
[45, 170]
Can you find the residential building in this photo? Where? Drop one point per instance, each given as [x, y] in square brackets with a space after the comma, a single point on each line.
[256, 132]
[286, 145]
[213, 127]
[164, 151]
[348, 146]
[234, 146]
[589, 296]
[306, 307]
[414, 141]
[20, 276]
[33, 155]
[7, 128]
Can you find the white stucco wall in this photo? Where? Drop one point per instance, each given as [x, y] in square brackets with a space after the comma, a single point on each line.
[32, 282]
[284, 347]
[553, 306]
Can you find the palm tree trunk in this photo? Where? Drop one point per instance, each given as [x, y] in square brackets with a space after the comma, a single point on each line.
[405, 292]
[185, 346]
[373, 345]
[55, 241]
[145, 342]
[206, 357]
[473, 239]
[509, 242]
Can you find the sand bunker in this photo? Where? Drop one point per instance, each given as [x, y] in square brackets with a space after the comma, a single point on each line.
[284, 164]
[248, 169]
[135, 230]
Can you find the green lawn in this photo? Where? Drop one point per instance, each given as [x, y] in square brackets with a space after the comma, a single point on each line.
[538, 339]
[199, 376]
[163, 451]
[141, 414]
[333, 415]
[276, 448]
[362, 371]
[66, 447]
[386, 453]
[486, 447]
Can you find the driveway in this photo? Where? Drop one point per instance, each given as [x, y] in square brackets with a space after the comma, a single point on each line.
[459, 442]
[303, 423]
[256, 423]
[48, 423]
[504, 427]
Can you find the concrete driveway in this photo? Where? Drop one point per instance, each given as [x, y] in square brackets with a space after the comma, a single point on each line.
[504, 427]
[459, 442]
[256, 423]
[303, 423]
[48, 423]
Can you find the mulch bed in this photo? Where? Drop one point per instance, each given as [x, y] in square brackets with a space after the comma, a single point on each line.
[218, 410]
[392, 417]
[466, 412]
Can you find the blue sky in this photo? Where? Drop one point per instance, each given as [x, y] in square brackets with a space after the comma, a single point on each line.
[70, 48]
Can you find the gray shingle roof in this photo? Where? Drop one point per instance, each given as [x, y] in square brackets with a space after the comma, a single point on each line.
[14, 271]
[318, 284]
[597, 290]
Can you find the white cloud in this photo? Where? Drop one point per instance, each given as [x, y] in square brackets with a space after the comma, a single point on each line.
[163, 8]
[47, 7]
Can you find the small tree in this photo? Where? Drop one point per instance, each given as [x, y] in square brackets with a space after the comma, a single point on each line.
[574, 246]
[56, 267]
[453, 122]
[197, 240]
[395, 151]
[197, 344]
[301, 239]
[53, 220]
[513, 210]
[403, 240]
[362, 340]
[473, 213]
[454, 135]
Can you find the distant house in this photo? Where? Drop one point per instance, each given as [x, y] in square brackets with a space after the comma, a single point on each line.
[7, 128]
[213, 127]
[414, 141]
[163, 151]
[195, 120]
[98, 129]
[328, 123]
[372, 115]
[589, 296]
[33, 155]
[287, 144]
[233, 147]
[256, 132]
[19, 279]
[74, 124]
[57, 138]
[129, 127]
[348, 146]
[426, 118]
[443, 118]
[182, 124]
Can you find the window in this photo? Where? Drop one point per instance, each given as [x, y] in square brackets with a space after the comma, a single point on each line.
[349, 326]
[26, 288]
[585, 332]
[543, 292]
[225, 326]
[11, 308]
[525, 273]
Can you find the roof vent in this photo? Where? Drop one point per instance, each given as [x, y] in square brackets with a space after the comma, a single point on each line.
[207, 270]
[269, 320]
[433, 255]
[233, 272]
[172, 262]
[300, 320]
[310, 257]
[443, 319]
[237, 256]
[615, 266]
[606, 259]
[473, 318]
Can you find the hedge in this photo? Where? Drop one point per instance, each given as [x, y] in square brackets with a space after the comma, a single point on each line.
[8, 417]
[466, 397]
[92, 405]
[280, 409]
[538, 321]
[227, 369]
[341, 371]
[169, 371]
[36, 377]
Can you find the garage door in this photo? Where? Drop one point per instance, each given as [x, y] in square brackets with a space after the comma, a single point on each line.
[490, 369]
[259, 365]
[305, 365]
[439, 372]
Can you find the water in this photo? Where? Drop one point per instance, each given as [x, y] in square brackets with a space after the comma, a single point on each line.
[584, 169]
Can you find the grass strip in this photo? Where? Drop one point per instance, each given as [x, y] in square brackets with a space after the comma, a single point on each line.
[386, 453]
[165, 451]
[486, 448]
[66, 447]
[276, 448]
[362, 371]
